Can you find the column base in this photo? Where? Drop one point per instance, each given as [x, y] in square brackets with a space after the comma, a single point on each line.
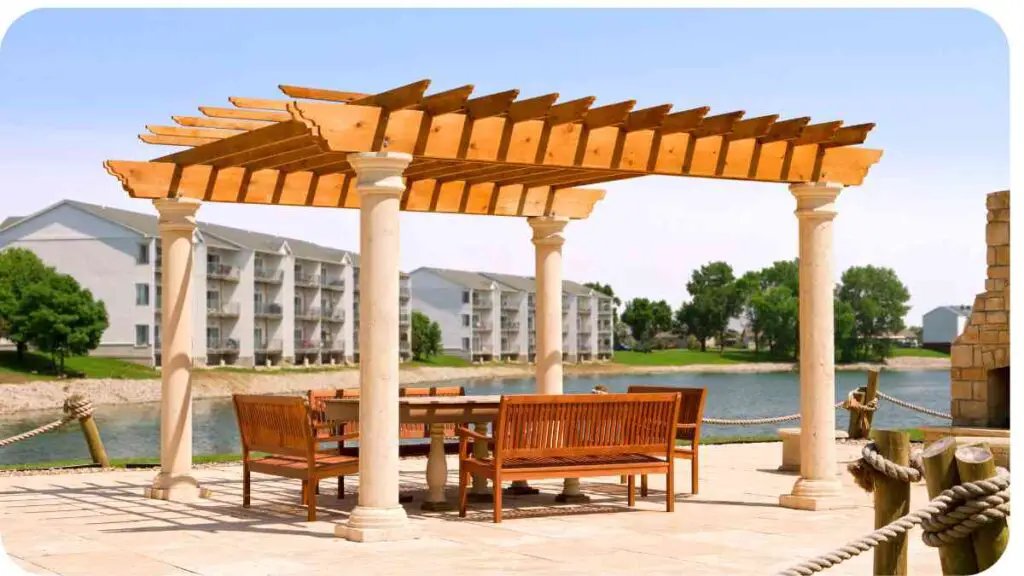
[816, 495]
[183, 488]
[521, 489]
[367, 524]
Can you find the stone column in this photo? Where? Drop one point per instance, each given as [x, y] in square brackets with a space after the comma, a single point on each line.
[818, 487]
[177, 226]
[378, 515]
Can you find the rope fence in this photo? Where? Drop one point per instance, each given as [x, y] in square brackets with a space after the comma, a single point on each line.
[851, 403]
[75, 408]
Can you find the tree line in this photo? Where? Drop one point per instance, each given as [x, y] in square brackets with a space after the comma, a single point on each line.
[47, 310]
[870, 304]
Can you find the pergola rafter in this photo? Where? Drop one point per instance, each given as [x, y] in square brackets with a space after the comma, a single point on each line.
[496, 141]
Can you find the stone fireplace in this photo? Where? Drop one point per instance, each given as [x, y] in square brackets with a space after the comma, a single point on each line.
[980, 373]
[980, 356]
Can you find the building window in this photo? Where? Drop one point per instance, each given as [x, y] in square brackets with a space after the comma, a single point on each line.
[143, 256]
[141, 334]
[465, 344]
[465, 320]
[142, 294]
[465, 296]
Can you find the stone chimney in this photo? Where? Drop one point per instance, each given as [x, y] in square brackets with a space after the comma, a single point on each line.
[981, 355]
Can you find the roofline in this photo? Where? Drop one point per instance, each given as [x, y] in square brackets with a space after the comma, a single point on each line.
[72, 204]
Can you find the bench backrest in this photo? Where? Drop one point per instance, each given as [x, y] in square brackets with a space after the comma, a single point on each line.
[691, 408]
[585, 425]
[274, 424]
[318, 409]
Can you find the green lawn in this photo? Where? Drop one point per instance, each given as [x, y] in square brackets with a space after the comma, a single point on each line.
[442, 361]
[684, 357]
[918, 353]
[37, 366]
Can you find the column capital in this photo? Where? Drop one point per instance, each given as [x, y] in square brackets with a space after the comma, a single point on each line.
[379, 172]
[815, 200]
[547, 230]
[177, 214]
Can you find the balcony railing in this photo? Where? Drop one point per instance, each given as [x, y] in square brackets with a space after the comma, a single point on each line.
[604, 347]
[332, 283]
[404, 319]
[312, 280]
[480, 348]
[307, 345]
[335, 314]
[509, 304]
[509, 348]
[268, 310]
[404, 346]
[604, 308]
[510, 326]
[222, 272]
[604, 327]
[309, 313]
[268, 275]
[404, 294]
[222, 310]
[268, 346]
[584, 307]
[481, 301]
[482, 325]
[336, 346]
[221, 345]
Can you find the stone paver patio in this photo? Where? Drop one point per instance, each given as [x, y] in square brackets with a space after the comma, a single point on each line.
[101, 524]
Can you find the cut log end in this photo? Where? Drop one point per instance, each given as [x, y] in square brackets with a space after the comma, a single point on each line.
[938, 447]
[973, 454]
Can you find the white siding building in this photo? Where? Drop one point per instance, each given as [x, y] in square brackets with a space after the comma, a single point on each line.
[941, 326]
[260, 299]
[485, 316]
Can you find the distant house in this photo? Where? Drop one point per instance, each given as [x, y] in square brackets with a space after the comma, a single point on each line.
[942, 325]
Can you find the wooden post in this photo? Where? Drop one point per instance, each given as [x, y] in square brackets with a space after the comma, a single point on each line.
[974, 462]
[860, 421]
[854, 429]
[940, 472]
[92, 439]
[892, 501]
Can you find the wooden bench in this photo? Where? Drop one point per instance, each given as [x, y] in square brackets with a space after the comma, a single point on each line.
[282, 427]
[691, 414]
[575, 436]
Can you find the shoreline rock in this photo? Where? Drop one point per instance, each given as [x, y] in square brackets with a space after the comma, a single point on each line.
[49, 395]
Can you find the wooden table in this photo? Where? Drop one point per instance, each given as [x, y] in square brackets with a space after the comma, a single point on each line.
[435, 411]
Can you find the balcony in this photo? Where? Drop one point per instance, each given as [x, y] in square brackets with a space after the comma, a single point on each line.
[222, 310]
[482, 302]
[583, 328]
[584, 307]
[481, 348]
[271, 310]
[305, 346]
[222, 272]
[509, 304]
[307, 280]
[604, 308]
[509, 325]
[336, 284]
[404, 319]
[335, 314]
[267, 275]
[268, 346]
[221, 346]
[310, 313]
[604, 347]
[482, 326]
[404, 293]
[604, 327]
[336, 346]
[509, 347]
[404, 346]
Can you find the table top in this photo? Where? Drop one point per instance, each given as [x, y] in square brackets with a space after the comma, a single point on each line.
[430, 400]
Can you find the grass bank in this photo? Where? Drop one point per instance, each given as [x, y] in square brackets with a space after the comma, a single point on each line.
[684, 357]
[36, 366]
[918, 353]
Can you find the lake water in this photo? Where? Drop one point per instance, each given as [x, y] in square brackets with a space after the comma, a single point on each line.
[132, 431]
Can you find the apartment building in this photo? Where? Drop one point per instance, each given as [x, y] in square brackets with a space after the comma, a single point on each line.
[258, 299]
[487, 316]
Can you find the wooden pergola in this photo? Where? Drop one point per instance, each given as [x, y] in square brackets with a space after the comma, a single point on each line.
[495, 154]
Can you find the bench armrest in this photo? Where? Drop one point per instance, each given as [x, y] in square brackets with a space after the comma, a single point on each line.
[687, 426]
[467, 433]
[341, 438]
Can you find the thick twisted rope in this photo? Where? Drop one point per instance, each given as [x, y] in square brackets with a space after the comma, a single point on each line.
[852, 403]
[910, 406]
[75, 407]
[882, 465]
[755, 421]
[953, 514]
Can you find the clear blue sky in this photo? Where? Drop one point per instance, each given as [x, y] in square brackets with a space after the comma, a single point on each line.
[78, 85]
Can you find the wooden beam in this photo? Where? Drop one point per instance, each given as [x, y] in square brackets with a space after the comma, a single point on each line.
[491, 105]
[818, 133]
[176, 140]
[240, 114]
[214, 134]
[219, 149]
[717, 125]
[445, 102]
[684, 122]
[531, 108]
[276, 160]
[609, 115]
[396, 98]
[239, 185]
[259, 103]
[647, 118]
[320, 93]
[752, 127]
[785, 130]
[570, 111]
[849, 135]
[202, 122]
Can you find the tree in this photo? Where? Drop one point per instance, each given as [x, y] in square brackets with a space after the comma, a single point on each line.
[715, 299]
[749, 286]
[777, 311]
[879, 302]
[61, 318]
[19, 269]
[624, 335]
[646, 318]
[426, 337]
[845, 332]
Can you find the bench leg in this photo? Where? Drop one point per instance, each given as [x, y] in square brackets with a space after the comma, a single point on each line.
[622, 479]
[341, 487]
[670, 494]
[463, 491]
[631, 490]
[497, 499]
[694, 482]
[643, 485]
[246, 486]
[310, 497]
